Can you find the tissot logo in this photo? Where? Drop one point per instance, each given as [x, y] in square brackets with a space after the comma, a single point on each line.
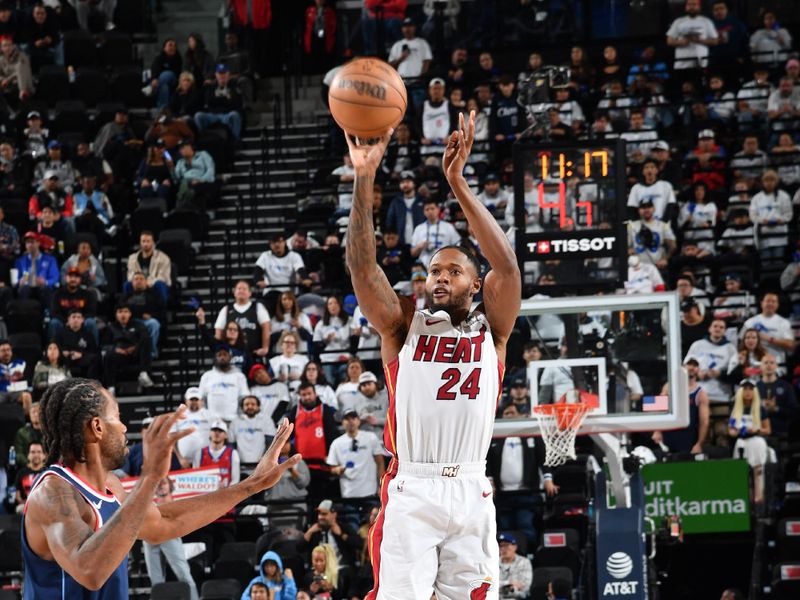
[574, 245]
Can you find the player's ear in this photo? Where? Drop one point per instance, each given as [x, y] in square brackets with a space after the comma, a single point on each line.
[476, 285]
[94, 429]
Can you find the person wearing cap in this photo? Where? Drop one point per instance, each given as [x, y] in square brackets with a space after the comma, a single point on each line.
[272, 394]
[432, 234]
[660, 193]
[652, 240]
[411, 55]
[51, 193]
[331, 529]
[771, 43]
[55, 164]
[694, 323]
[223, 384]
[714, 353]
[78, 345]
[15, 72]
[493, 196]
[280, 269]
[37, 271]
[72, 296]
[668, 169]
[406, 209]
[516, 572]
[148, 309]
[749, 428]
[691, 438]
[372, 404]
[734, 303]
[34, 137]
[356, 458]
[691, 35]
[436, 117]
[707, 162]
[771, 212]
[222, 104]
[505, 120]
[220, 454]
[197, 416]
[14, 175]
[252, 430]
[643, 278]
[93, 210]
[126, 344]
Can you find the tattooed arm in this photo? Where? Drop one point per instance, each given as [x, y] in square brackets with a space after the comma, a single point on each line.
[383, 308]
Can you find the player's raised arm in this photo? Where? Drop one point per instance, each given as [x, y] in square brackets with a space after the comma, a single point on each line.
[502, 286]
[388, 313]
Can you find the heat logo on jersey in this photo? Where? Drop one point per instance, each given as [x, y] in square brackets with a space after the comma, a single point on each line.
[480, 589]
[445, 349]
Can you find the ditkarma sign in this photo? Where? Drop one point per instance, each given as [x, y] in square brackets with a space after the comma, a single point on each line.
[708, 496]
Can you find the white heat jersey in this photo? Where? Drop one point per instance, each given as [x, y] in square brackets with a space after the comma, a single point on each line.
[443, 391]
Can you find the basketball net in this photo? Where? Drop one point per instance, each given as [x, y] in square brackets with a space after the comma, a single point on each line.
[559, 424]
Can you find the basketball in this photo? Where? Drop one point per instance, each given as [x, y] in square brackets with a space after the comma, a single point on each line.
[367, 98]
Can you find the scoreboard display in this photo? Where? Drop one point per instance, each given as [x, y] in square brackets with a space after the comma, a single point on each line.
[569, 215]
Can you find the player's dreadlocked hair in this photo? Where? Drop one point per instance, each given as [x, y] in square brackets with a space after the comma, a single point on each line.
[65, 408]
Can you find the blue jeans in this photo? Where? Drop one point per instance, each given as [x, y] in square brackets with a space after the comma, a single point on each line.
[232, 120]
[516, 512]
[173, 552]
[159, 286]
[167, 82]
[154, 330]
[55, 325]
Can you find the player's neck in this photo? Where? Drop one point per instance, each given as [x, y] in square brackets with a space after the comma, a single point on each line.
[457, 315]
[92, 472]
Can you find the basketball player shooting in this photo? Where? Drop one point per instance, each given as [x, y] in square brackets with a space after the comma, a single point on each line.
[80, 524]
[444, 367]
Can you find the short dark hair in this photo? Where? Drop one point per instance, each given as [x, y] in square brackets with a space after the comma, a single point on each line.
[306, 385]
[241, 402]
[147, 232]
[472, 258]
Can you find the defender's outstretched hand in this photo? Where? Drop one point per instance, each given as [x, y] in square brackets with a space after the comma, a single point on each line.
[368, 158]
[268, 471]
[459, 145]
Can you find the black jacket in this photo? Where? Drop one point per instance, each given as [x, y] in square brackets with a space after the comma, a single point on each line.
[348, 547]
[64, 301]
[134, 334]
[222, 100]
[148, 301]
[532, 457]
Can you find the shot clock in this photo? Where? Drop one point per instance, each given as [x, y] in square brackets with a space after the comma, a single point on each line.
[569, 215]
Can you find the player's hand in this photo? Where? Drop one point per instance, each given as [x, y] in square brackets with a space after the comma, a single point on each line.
[158, 443]
[459, 145]
[550, 488]
[366, 158]
[268, 472]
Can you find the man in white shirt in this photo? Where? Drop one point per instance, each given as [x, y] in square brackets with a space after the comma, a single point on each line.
[356, 457]
[436, 122]
[200, 418]
[783, 105]
[639, 139]
[252, 431]
[223, 385]
[344, 176]
[653, 241]
[643, 278]
[412, 55]
[493, 197]
[273, 395]
[433, 234]
[251, 317]
[691, 36]
[660, 193]
[774, 331]
[371, 403]
[713, 354]
[280, 269]
[771, 212]
[750, 161]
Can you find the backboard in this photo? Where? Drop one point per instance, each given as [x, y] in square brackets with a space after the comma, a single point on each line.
[623, 352]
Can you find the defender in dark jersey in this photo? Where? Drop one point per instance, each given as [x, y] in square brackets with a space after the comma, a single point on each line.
[80, 524]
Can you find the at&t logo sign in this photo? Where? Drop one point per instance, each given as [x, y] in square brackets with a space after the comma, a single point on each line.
[619, 565]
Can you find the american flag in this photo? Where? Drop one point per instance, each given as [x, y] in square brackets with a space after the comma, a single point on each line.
[655, 403]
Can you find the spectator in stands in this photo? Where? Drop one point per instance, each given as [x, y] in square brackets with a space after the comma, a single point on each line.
[198, 60]
[42, 35]
[706, 162]
[771, 212]
[732, 33]
[126, 345]
[347, 390]
[51, 369]
[14, 177]
[314, 430]
[222, 104]
[92, 209]
[186, 100]
[198, 417]
[91, 270]
[72, 296]
[771, 43]
[135, 458]
[252, 430]
[154, 264]
[650, 239]
[250, 315]
[164, 72]
[37, 271]
[777, 396]
[280, 269]
[53, 231]
[356, 458]
[195, 174]
[436, 119]
[394, 257]
[240, 64]
[643, 278]
[315, 375]
[749, 428]
[668, 169]
[412, 57]
[148, 309]
[330, 530]
[402, 154]
[658, 191]
[171, 549]
[115, 131]
[342, 177]
[319, 36]
[733, 304]
[78, 346]
[9, 20]
[505, 123]
[223, 385]
[278, 582]
[432, 234]
[293, 483]
[694, 323]
[55, 163]
[26, 475]
[693, 436]
[519, 392]
[691, 35]
[783, 107]
[721, 102]
[406, 210]
[220, 454]
[233, 335]
[372, 404]
[288, 365]
[85, 161]
[28, 434]
[273, 395]
[747, 362]
[516, 572]
[15, 73]
[324, 578]
[775, 332]
[750, 162]
[169, 129]
[332, 338]
[713, 354]
[738, 239]
[9, 249]
[155, 177]
[752, 99]
[785, 158]
[790, 281]
[610, 68]
[698, 218]
[639, 138]
[289, 317]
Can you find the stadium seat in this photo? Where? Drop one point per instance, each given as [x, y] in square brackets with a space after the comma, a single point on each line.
[53, 84]
[220, 589]
[24, 316]
[10, 551]
[132, 16]
[786, 581]
[242, 570]
[559, 548]
[788, 542]
[238, 551]
[16, 213]
[79, 49]
[217, 142]
[28, 347]
[171, 590]
[150, 219]
[126, 86]
[70, 115]
[106, 112]
[177, 244]
[542, 576]
[116, 49]
[188, 219]
[90, 87]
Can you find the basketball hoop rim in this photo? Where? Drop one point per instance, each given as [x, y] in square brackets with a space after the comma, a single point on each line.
[563, 409]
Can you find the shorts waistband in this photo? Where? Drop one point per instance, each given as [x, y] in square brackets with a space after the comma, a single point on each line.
[464, 469]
